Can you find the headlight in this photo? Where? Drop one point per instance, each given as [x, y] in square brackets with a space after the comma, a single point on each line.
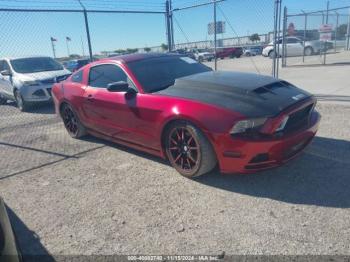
[283, 124]
[30, 83]
[248, 125]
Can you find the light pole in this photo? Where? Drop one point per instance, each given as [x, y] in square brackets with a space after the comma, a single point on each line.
[53, 40]
[68, 39]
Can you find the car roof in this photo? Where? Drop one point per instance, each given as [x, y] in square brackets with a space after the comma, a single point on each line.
[139, 56]
[22, 57]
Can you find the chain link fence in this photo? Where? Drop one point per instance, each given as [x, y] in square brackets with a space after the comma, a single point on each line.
[316, 38]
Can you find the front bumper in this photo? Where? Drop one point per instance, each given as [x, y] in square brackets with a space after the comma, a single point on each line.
[238, 155]
[39, 93]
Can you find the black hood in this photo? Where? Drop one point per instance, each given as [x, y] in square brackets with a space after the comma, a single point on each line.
[249, 94]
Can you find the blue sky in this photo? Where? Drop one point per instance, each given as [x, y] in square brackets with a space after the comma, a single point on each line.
[29, 33]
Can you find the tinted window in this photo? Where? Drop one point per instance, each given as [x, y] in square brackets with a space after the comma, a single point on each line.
[292, 40]
[77, 77]
[159, 73]
[35, 64]
[102, 75]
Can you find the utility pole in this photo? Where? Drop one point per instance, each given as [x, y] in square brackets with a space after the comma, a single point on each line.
[171, 25]
[53, 46]
[168, 24]
[82, 46]
[215, 58]
[67, 40]
[87, 29]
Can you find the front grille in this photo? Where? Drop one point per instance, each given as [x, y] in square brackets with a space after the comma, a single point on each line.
[49, 91]
[48, 81]
[39, 92]
[298, 119]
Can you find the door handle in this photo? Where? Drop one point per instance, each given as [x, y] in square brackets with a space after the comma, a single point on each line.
[90, 98]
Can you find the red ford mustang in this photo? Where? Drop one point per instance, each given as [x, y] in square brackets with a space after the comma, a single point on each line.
[173, 107]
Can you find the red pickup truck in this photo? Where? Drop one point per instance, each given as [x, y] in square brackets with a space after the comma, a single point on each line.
[229, 52]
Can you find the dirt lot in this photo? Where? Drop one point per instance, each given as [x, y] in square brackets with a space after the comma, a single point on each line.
[88, 196]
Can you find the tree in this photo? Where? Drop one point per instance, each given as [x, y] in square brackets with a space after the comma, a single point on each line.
[74, 56]
[132, 50]
[254, 38]
[119, 51]
[341, 30]
[147, 49]
[164, 47]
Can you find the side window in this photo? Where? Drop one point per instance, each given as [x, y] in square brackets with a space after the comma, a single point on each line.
[292, 41]
[4, 65]
[77, 77]
[100, 76]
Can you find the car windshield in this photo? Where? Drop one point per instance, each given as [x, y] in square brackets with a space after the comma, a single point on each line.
[159, 73]
[35, 64]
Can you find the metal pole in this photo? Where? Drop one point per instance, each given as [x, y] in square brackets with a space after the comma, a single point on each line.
[335, 33]
[53, 48]
[274, 39]
[171, 25]
[325, 42]
[168, 27]
[67, 47]
[88, 34]
[284, 37]
[279, 34]
[215, 58]
[348, 34]
[82, 45]
[305, 27]
[87, 29]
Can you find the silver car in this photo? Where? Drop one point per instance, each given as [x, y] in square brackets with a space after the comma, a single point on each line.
[28, 80]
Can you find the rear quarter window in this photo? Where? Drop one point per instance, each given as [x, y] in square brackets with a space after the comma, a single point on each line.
[77, 77]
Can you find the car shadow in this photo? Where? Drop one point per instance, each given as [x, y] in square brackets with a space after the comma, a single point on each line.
[96, 140]
[320, 177]
[40, 108]
[28, 241]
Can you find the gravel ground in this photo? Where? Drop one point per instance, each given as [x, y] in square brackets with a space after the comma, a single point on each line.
[88, 196]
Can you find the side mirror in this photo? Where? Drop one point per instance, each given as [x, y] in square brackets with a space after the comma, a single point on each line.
[6, 73]
[120, 86]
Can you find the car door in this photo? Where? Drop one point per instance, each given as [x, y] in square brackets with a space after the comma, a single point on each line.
[294, 46]
[110, 113]
[6, 88]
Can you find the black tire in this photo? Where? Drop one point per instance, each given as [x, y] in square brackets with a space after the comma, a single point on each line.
[3, 100]
[71, 122]
[195, 148]
[272, 54]
[308, 51]
[22, 105]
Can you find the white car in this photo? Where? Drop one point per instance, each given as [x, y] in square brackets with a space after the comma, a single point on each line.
[203, 55]
[28, 80]
[249, 52]
[294, 47]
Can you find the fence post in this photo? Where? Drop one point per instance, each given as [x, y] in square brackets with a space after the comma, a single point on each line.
[275, 17]
[305, 26]
[335, 33]
[87, 29]
[348, 33]
[215, 58]
[168, 27]
[284, 37]
[325, 42]
[171, 25]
